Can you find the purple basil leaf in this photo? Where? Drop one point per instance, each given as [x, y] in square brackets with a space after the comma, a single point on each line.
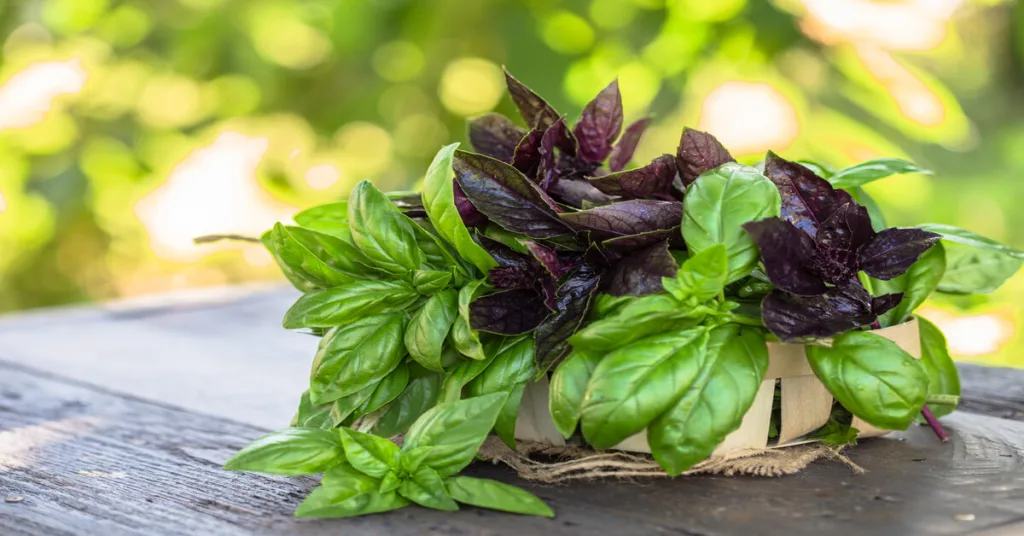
[885, 302]
[698, 152]
[795, 318]
[577, 192]
[838, 239]
[548, 290]
[599, 124]
[619, 245]
[504, 255]
[471, 217]
[893, 250]
[535, 110]
[652, 180]
[557, 136]
[640, 272]
[508, 277]
[622, 153]
[495, 135]
[527, 154]
[548, 258]
[509, 312]
[514, 269]
[848, 228]
[572, 302]
[787, 253]
[626, 218]
[807, 199]
[506, 197]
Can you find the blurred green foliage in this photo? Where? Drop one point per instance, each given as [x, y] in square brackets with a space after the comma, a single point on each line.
[107, 107]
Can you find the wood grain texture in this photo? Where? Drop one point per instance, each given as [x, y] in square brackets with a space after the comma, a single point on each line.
[115, 420]
[88, 461]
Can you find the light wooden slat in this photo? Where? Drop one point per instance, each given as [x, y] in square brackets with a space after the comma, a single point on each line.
[806, 405]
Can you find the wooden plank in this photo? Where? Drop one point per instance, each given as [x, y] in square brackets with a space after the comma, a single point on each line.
[228, 356]
[88, 461]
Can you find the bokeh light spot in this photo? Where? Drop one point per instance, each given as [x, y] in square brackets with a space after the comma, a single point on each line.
[171, 100]
[29, 94]
[471, 86]
[398, 61]
[212, 191]
[281, 38]
[749, 117]
[365, 148]
[322, 177]
[567, 32]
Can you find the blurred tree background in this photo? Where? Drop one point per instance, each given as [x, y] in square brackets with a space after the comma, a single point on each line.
[128, 127]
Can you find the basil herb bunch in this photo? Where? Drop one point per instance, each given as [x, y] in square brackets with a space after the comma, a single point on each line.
[646, 295]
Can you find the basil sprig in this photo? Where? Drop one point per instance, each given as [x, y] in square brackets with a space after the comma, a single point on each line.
[364, 473]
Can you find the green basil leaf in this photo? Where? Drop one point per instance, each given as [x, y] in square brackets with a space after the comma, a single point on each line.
[635, 383]
[465, 339]
[370, 454]
[412, 459]
[340, 305]
[389, 483]
[455, 431]
[716, 206]
[505, 425]
[640, 318]
[462, 374]
[311, 415]
[568, 385]
[345, 409]
[292, 451]
[496, 496]
[381, 232]
[817, 168]
[345, 492]
[872, 377]
[387, 390]
[424, 339]
[310, 264]
[513, 364]
[943, 378]
[428, 282]
[702, 277]
[295, 278]
[336, 252]
[974, 264]
[425, 488]
[352, 357]
[606, 305]
[873, 170]
[916, 284]
[436, 254]
[439, 202]
[729, 371]
[862, 198]
[331, 219]
[419, 396]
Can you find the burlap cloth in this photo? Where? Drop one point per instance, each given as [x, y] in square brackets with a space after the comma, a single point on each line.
[547, 463]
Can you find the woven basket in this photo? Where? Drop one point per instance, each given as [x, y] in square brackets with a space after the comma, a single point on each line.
[805, 402]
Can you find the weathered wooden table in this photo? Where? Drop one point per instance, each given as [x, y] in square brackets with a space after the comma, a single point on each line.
[115, 420]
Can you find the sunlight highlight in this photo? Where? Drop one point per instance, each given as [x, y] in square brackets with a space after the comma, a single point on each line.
[976, 334]
[212, 191]
[916, 25]
[29, 94]
[749, 117]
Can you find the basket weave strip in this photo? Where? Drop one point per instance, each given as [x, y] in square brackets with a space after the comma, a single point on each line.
[578, 463]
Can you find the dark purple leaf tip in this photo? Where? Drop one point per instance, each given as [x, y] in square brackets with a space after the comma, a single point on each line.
[699, 152]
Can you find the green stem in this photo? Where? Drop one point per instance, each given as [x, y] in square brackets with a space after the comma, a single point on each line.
[942, 400]
[745, 320]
